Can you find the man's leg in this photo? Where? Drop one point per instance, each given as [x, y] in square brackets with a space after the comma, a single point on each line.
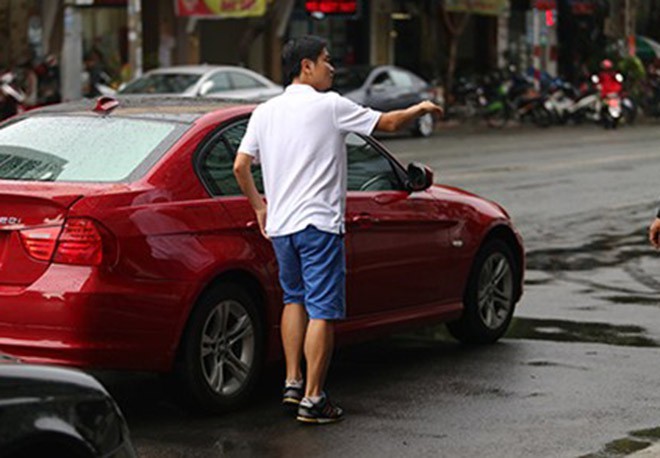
[294, 323]
[294, 317]
[319, 343]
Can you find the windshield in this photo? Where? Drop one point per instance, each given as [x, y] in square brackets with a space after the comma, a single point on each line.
[161, 83]
[67, 148]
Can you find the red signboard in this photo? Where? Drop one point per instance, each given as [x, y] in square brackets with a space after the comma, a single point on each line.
[331, 6]
[583, 6]
[220, 8]
[545, 4]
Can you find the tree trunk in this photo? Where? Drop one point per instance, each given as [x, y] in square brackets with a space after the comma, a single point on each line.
[451, 65]
[455, 24]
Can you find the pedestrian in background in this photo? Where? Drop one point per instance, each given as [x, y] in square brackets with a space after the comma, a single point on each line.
[299, 140]
[654, 231]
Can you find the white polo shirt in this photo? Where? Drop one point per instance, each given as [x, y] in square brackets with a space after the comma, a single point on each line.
[299, 139]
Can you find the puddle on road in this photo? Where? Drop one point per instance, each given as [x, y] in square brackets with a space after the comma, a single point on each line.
[570, 331]
[636, 441]
[606, 251]
[634, 300]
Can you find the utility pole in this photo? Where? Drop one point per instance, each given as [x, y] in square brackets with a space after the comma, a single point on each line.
[135, 37]
[629, 25]
[72, 53]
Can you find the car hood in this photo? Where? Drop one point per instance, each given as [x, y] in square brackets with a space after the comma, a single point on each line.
[489, 206]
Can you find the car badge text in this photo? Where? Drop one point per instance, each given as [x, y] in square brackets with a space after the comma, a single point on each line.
[7, 220]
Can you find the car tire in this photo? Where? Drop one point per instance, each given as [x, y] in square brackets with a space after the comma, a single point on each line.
[493, 280]
[222, 351]
[424, 125]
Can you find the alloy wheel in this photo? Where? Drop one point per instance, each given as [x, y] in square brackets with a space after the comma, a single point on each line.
[425, 125]
[227, 347]
[495, 291]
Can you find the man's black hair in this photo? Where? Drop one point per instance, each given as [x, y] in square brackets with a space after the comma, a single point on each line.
[297, 49]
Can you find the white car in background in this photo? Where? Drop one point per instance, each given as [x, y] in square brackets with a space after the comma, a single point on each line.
[222, 81]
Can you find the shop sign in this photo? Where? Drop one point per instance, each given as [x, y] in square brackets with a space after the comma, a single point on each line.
[220, 9]
[332, 6]
[545, 4]
[583, 7]
[486, 7]
[101, 2]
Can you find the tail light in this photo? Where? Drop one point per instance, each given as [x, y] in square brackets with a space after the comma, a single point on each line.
[40, 243]
[78, 242]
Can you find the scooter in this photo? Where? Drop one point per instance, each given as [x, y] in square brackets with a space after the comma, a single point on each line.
[612, 110]
[611, 103]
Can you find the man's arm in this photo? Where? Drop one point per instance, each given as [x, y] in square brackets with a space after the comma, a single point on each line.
[392, 121]
[245, 181]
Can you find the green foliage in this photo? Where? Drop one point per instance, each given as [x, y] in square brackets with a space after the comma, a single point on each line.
[632, 68]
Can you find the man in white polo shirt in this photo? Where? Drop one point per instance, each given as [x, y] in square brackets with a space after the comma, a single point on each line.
[298, 137]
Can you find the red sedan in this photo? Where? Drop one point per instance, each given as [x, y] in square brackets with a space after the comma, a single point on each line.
[125, 243]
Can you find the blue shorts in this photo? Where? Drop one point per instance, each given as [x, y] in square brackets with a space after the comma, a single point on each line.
[313, 272]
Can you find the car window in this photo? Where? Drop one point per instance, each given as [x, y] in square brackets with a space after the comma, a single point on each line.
[161, 83]
[401, 79]
[80, 148]
[368, 169]
[217, 167]
[220, 83]
[349, 79]
[242, 81]
[383, 79]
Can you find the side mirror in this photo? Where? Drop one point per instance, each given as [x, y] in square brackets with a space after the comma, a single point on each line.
[420, 177]
[206, 87]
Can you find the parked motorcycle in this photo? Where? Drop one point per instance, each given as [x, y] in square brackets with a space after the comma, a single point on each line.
[11, 97]
[515, 98]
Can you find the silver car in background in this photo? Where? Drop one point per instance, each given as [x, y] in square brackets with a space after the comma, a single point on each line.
[222, 81]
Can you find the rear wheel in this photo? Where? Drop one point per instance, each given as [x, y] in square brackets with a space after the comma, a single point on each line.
[424, 125]
[490, 296]
[222, 351]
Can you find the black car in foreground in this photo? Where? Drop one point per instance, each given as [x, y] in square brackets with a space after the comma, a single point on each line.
[386, 88]
[57, 413]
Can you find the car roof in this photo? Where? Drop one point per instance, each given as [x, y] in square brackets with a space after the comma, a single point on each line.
[178, 109]
[197, 69]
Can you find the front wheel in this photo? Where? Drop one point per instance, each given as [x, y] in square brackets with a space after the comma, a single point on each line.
[221, 355]
[490, 297]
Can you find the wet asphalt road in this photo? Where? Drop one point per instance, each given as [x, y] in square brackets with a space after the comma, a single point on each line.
[577, 375]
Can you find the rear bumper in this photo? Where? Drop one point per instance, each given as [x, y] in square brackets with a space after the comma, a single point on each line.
[79, 316]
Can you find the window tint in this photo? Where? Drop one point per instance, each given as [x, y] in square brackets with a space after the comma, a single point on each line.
[220, 82]
[83, 148]
[368, 170]
[218, 162]
[242, 81]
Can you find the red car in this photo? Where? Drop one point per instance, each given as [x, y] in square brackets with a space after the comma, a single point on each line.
[125, 243]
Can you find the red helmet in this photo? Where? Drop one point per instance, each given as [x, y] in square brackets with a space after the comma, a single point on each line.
[606, 64]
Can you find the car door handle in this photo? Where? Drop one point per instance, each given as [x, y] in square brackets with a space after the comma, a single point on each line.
[252, 225]
[363, 220]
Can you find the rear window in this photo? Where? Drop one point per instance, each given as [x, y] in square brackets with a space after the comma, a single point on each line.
[347, 80]
[92, 149]
[161, 83]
